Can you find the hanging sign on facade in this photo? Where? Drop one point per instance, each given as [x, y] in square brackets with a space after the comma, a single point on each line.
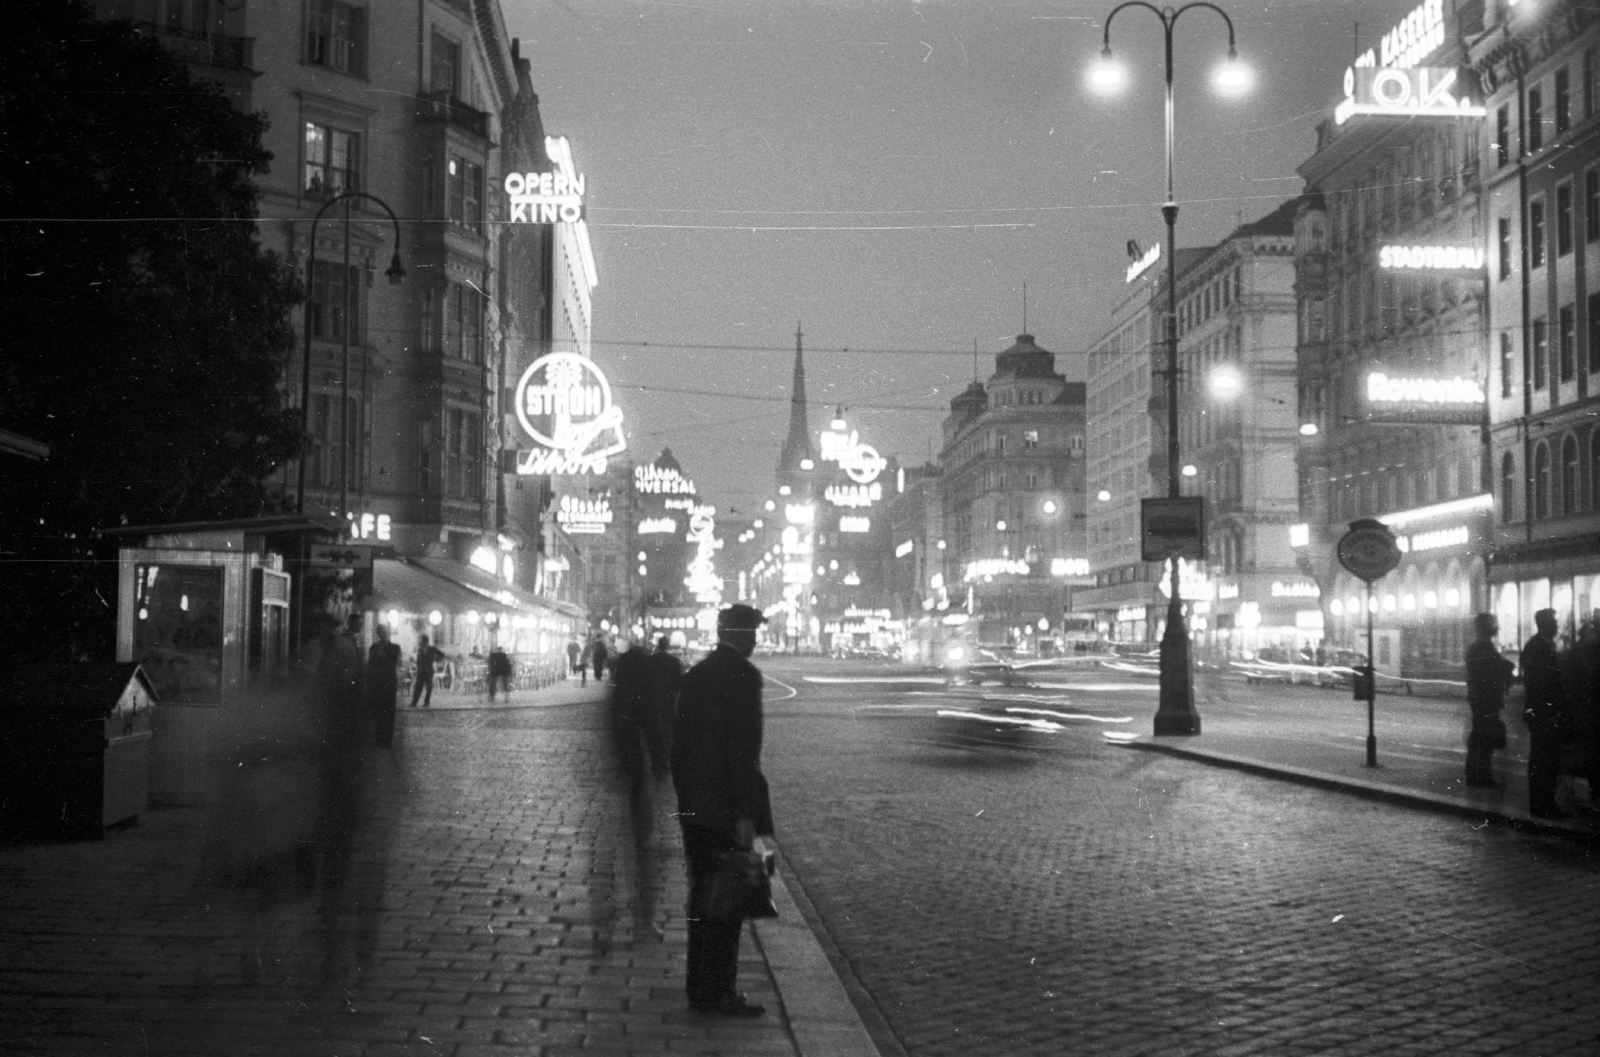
[584, 515]
[1423, 91]
[1431, 258]
[563, 402]
[1172, 527]
[853, 495]
[547, 197]
[1442, 401]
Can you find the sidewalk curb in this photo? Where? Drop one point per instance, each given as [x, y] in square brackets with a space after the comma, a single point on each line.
[822, 1020]
[1370, 790]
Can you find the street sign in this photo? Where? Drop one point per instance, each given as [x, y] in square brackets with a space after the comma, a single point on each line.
[1173, 527]
[1369, 550]
[340, 556]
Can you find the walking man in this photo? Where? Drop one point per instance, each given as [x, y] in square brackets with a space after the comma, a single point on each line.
[666, 678]
[574, 652]
[499, 672]
[1488, 676]
[598, 655]
[1541, 681]
[422, 687]
[383, 682]
[722, 796]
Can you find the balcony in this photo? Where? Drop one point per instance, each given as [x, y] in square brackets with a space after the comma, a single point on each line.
[442, 106]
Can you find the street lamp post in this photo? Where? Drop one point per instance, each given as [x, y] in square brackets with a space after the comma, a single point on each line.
[1176, 712]
[395, 273]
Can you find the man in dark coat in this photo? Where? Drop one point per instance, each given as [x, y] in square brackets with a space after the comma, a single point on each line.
[1488, 676]
[597, 654]
[722, 796]
[383, 682]
[1542, 683]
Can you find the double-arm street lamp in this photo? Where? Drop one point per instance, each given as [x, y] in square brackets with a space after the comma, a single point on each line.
[396, 273]
[1176, 713]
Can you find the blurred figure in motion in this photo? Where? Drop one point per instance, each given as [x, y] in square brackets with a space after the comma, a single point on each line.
[1488, 678]
[636, 742]
[597, 655]
[422, 686]
[666, 677]
[574, 655]
[499, 672]
[383, 684]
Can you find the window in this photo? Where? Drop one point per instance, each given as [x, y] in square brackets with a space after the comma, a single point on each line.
[1594, 470]
[425, 456]
[1563, 220]
[1588, 82]
[1508, 489]
[1569, 475]
[1536, 233]
[325, 453]
[1563, 100]
[1594, 332]
[464, 181]
[326, 304]
[1535, 121]
[463, 456]
[1030, 438]
[1567, 342]
[332, 161]
[1506, 371]
[1502, 135]
[336, 36]
[1591, 205]
[463, 323]
[445, 73]
[1541, 480]
[1541, 350]
[1503, 241]
[317, 454]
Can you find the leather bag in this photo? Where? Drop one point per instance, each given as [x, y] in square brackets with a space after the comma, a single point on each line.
[740, 887]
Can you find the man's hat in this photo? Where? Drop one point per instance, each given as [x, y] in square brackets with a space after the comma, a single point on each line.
[740, 618]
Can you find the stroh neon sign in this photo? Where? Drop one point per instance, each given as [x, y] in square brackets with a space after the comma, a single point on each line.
[579, 427]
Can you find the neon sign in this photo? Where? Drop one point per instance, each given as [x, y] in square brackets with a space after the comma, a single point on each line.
[861, 461]
[703, 580]
[656, 480]
[1420, 92]
[904, 549]
[1433, 258]
[579, 427]
[548, 197]
[1140, 266]
[853, 495]
[996, 567]
[799, 513]
[584, 515]
[1459, 536]
[1295, 589]
[657, 525]
[1069, 566]
[1382, 389]
[855, 524]
[370, 526]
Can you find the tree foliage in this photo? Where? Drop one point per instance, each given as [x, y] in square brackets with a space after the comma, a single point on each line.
[143, 327]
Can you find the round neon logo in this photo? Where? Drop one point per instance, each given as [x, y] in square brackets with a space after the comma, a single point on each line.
[577, 423]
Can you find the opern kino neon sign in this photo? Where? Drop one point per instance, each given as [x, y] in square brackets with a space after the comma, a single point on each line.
[1431, 258]
[564, 404]
[547, 197]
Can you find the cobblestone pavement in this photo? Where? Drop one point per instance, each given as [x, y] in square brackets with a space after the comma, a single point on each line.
[1005, 892]
[493, 907]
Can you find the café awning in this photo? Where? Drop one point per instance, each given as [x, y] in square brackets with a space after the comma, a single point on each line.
[406, 585]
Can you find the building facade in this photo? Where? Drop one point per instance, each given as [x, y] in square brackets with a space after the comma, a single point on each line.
[1540, 165]
[1012, 499]
[1392, 359]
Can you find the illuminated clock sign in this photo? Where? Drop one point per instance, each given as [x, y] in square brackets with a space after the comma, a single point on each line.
[1424, 91]
[547, 197]
[1448, 401]
[1431, 258]
[584, 515]
[564, 404]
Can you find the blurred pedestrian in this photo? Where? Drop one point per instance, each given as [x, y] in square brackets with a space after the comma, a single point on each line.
[1488, 677]
[723, 802]
[666, 678]
[383, 685]
[499, 672]
[632, 721]
[1542, 684]
[1580, 714]
[597, 654]
[574, 653]
[422, 686]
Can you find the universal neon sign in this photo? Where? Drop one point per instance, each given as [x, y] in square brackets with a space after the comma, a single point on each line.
[1431, 258]
[579, 427]
[656, 480]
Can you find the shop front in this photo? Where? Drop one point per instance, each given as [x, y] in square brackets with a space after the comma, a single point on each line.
[1254, 615]
[1563, 575]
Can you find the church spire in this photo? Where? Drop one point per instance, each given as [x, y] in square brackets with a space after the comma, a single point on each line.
[797, 445]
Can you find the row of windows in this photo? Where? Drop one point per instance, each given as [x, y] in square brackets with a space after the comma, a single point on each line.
[1553, 359]
[1216, 295]
[1421, 177]
[1539, 123]
[458, 453]
[1541, 233]
[1399, 488]
[1556, 480]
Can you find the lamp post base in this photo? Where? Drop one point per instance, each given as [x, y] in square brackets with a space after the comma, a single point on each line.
[1175, 713]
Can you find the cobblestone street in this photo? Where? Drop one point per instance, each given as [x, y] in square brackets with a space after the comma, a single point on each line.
[1056, 894]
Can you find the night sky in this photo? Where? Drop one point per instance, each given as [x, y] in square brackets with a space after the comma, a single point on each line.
[891, 174]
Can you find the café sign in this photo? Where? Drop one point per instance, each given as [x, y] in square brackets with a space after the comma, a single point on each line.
[563, 402]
